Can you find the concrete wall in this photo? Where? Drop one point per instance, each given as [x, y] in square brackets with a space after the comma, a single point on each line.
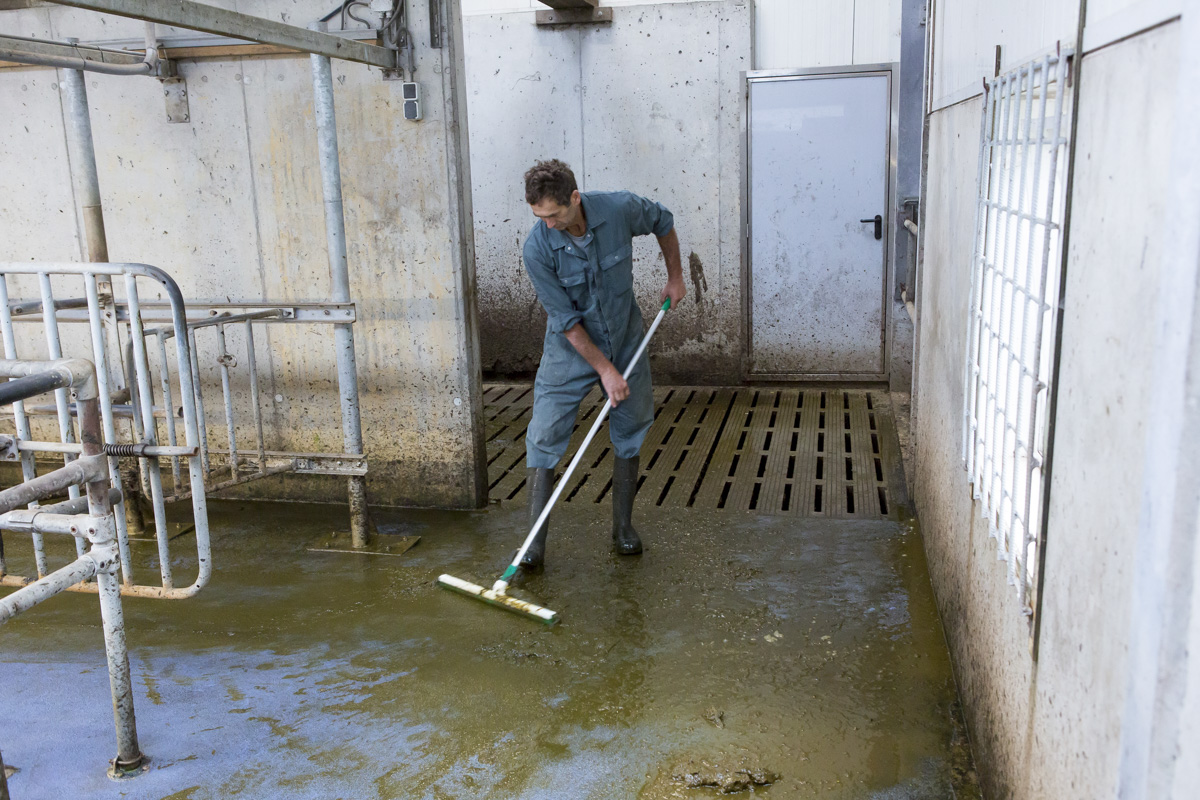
[230, 204]
[1053, 712]
[651, 104]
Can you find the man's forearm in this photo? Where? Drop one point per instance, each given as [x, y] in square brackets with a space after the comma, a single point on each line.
[584, 345]
[670, 250]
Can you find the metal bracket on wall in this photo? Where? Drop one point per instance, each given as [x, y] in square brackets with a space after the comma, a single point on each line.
[575, 16]
[175, 94]
[331, 465]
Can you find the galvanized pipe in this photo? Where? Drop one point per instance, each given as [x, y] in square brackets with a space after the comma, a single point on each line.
[164, 375]
[79, 471]
[31, 386]
[150, 429]
[252, 366]
[82, 154]
[202, 426]
[28, 470]
[27, 520]
[227, 391]
[335, 234]
[56, 582]
[61, 400]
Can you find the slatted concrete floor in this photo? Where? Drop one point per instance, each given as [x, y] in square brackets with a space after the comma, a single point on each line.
[804, 452]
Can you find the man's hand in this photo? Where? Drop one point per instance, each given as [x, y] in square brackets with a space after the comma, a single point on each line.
[675, 289]
[614, 386]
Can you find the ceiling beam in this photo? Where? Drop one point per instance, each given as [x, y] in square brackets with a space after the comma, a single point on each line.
[210, 19]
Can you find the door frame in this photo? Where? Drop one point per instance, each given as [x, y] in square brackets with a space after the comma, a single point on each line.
[890, 71]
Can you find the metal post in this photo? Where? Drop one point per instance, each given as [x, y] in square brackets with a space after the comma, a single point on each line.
[335, 233]
[104, 552]
[81, 152]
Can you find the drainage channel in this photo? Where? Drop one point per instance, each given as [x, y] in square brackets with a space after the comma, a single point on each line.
[803, 452]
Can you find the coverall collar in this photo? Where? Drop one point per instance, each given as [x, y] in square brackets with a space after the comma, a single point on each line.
[559, 239]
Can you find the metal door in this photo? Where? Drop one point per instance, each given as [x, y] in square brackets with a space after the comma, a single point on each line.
[817, 196]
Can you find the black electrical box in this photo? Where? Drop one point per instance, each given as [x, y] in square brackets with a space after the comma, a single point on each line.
[412, 101]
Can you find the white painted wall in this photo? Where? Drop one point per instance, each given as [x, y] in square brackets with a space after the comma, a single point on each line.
[967, 34]
[1061, 724]
[796, 34]
[230, 205]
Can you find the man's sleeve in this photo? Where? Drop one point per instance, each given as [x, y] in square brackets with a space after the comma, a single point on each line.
[560, 311]
[646, 216]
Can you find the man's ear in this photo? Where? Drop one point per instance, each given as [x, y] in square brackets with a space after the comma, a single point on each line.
[575, 198]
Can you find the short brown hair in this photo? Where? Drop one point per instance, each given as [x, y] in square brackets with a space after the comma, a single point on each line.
[552, 179]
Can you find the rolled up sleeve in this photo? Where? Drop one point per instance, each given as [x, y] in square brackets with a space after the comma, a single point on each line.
[560, 311]
[646, 216]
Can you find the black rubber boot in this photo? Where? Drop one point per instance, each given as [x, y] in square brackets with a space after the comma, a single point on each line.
[624, 486]
[540, 485]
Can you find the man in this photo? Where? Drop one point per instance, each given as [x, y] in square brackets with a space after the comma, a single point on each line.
[579, 257]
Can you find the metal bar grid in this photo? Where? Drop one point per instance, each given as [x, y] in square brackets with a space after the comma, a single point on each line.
[144, 414]
[1014, 297]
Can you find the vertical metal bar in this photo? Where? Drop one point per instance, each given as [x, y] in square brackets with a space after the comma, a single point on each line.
[983, 484]
[146, 398]
[164, 374]
[82, 156]
[1027, 383]
[1017, 274]
[983, 180]
[335, 233]
[995, 429]
[252, 365]
[28, 469]
[61, 399]
[106, 416]
[82, 153]
[1043, 286]
[223, 360]
[202, 427]
[193, 426]
[104, 554]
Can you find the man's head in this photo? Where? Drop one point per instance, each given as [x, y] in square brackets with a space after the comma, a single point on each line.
[552, 193]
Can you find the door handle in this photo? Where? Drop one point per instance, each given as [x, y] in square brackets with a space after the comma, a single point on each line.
[878, 220]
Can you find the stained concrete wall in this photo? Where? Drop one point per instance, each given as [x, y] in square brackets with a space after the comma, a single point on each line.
[230, 204]
[1062, 722]
[651, 104]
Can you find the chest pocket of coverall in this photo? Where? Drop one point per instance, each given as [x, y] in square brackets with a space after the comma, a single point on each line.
[573, 278]
[618, 281]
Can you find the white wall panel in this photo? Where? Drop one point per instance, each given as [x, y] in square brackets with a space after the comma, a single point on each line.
[966, 35]
[472, 7]
[876, 31]
[793, 34]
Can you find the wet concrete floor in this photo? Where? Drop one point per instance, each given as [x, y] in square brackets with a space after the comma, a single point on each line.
[806, 648]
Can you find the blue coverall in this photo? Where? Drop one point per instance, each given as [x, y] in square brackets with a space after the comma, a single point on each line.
[592, 285]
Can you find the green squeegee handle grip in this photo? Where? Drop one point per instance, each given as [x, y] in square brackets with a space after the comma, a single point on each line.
[666, 306]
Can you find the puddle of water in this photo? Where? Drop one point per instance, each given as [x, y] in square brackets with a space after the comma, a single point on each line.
[808, 648]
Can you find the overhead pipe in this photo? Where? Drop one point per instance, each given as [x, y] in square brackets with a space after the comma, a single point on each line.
[74, 56]
[343, 333]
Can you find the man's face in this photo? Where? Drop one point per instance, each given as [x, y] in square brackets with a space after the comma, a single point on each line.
[557, 216]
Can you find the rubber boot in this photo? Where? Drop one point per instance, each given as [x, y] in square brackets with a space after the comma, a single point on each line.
[540, 485]
[624, 486]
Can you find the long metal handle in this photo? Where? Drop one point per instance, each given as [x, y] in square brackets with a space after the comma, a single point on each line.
[502, 583]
